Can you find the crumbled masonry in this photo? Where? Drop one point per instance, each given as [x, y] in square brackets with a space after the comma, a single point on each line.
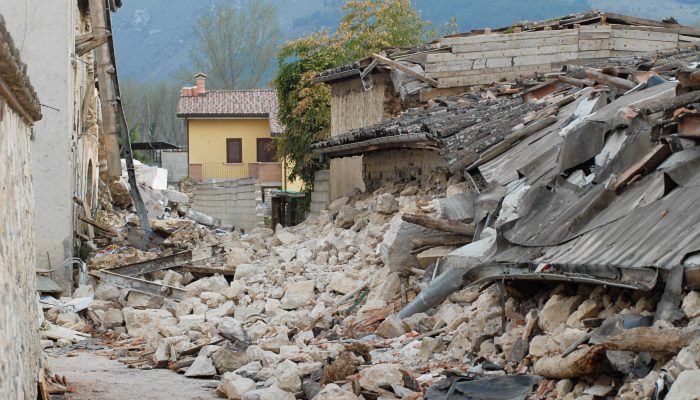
[546, 304]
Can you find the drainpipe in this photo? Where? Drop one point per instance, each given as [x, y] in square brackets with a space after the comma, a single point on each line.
[444, 285]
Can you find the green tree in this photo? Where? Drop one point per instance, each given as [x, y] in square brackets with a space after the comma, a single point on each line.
[367, 27]
[236, 48]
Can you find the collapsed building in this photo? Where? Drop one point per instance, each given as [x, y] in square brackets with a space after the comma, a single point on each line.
[534, 239]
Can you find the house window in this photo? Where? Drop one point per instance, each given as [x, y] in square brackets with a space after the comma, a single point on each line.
[267, 152]
[234, 151]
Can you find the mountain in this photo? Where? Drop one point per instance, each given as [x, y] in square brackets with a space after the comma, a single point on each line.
[153, 37]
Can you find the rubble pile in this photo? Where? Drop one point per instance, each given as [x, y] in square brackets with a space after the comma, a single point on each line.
[526, 272]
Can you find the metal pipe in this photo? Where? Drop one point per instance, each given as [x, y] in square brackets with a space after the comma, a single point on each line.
[437, 291]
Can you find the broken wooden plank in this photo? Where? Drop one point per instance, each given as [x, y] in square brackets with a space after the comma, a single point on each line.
[442, 225]
[431, 255]
[664, 104]
[104, 228]
[441, 240]
[576, 82]
[142, 285]
[405, 69]
[609, 80]
[650, 161]
[156, 264]
[689, 126]
[649, 339]
[579, 363]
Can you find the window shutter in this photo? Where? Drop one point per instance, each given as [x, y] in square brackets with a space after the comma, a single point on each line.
[234, 151]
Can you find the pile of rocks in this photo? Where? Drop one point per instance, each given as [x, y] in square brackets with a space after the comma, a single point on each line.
[311, 312]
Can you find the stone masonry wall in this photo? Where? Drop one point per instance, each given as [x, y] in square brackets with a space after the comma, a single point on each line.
[19, 314]
[236, 203]
[387, 166]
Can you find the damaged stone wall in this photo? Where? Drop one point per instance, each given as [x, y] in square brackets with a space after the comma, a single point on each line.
[19, 316]
[236, 203]
[353, 107]
[398, 165]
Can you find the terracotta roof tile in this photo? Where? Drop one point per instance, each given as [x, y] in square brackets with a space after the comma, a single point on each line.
[233, 103]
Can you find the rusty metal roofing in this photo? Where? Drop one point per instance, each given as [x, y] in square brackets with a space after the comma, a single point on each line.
[232, 104]
[13, 73]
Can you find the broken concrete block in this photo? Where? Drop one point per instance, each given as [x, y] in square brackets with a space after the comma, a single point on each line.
[227, 359]
[113, 317]
[691, 304]
[143, 301]
[346, 217]
[298, 294]
[287, 376]
[557, 310]
[396, 246]
[387, 204]
[686, 386]
[236, 257]
[203, 366]
[381, 375]
[234, 386]
[270, 393]
[215, 283]
[334, 392]
[187, 322]
[247, 270]
[285, 237]
[143, 323]
[107, 292]
[342, 283]
[84, 291]
[338, 203]
[212, 299]
[391, 327]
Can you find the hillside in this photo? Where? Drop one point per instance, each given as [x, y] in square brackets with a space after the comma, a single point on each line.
[153, 38]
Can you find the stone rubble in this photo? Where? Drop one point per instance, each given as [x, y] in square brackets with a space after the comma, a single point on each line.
[311, 312]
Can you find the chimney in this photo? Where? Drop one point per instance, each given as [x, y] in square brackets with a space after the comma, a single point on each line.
[200, 88]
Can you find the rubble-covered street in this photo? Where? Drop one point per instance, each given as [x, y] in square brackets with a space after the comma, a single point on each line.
[501, 214]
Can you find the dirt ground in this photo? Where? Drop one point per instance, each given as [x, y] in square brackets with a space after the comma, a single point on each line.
[98, 378]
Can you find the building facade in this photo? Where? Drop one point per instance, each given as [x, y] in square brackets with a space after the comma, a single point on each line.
[230, 134]
[19, 312]
[66, 146]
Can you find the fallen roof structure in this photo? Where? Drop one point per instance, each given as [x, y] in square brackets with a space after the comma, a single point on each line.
[594, 172]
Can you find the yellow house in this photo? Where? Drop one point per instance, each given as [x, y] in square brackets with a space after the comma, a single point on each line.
[230, 134]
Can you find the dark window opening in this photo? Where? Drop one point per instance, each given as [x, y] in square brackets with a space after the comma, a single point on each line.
[234, 151]
[267, 150]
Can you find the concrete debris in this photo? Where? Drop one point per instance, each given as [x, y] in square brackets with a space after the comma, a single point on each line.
[356, 302]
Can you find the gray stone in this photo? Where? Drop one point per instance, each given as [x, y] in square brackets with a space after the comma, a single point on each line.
[143, 301]
[285, 237]
[247, 270]
[215, 283]
[202, 367]
[387, 204]
[691, 304]
[227, 359]
[112, 317]
[391, 327]
[338, 203]
[686, 386]
[564, 387]
[270, 393]
[234, 386]
[107, 292]
[236, 257]
[377, 376]
[84, 291]
[334, 392]
[342, 283]
[557, 310]
[298, 294]
[396, 246]
[287, 376]
[346, 217]
[143, 323]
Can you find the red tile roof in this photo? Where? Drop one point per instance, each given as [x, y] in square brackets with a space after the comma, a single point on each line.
[233, 103]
